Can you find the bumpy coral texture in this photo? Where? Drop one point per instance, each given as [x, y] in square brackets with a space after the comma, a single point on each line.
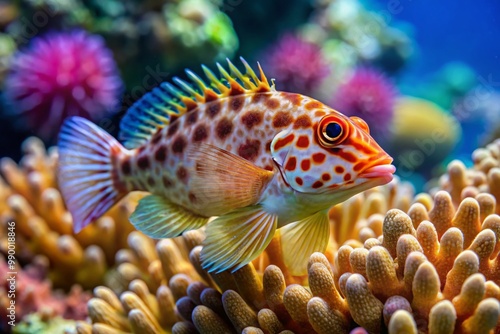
[426, 267]
[29, 197]
[60, 75]
[370, 95]
[298, 66]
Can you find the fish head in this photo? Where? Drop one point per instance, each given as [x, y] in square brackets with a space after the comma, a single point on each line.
[336, 154]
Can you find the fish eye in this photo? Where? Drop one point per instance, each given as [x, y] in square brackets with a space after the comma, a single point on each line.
[331, 131]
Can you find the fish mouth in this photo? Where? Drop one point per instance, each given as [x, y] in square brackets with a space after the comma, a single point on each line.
[382, 169]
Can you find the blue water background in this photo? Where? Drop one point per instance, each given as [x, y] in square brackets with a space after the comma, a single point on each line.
[452, 30]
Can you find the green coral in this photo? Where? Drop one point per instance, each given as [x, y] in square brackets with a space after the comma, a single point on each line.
[35, 324]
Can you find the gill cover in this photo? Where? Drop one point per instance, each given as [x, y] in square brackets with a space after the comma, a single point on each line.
[289, 156]
[304, 157]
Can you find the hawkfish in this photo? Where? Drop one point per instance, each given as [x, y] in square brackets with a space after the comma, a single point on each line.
[235, 148]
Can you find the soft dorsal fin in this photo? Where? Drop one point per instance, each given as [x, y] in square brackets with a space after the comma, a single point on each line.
[158, 108]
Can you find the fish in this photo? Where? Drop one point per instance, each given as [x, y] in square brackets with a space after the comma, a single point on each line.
[261, 161]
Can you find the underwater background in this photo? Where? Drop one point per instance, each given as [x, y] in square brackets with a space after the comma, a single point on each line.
[424, 75]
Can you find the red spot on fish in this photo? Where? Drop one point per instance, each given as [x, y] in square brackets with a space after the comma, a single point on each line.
[192, 197]
[172, 128]
[192, 117]
[251, 119]
[299, 181]
[126, 168]
[295, 99]
[303, 142]
[317, 184]
[282, 142]
[156, 137]
[143, 162]
[367, 149]
[319, 113]
[167, 183]
[224, 128]
[249, 150]
[268, 167]
[256, 98]
[291, 164]
[272, 103]
[161, 153]
[236, 103]
[213, 109]
[303, 121]
[348, 156]
[312, 105]
[282, 119]
[326, 177]
[339, 169]
[347, 177]
[305, 165]
[268, 146]
[200, 133]
[319, 158]
[357, 167]
[182, 174]
[179, 144]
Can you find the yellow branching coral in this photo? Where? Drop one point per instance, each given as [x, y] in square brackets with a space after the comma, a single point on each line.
[483, 177]
[29, 197]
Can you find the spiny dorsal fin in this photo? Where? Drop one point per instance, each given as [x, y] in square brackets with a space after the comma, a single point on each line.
[156, 108]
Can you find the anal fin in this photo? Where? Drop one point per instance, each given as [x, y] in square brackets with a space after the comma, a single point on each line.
[224, 181]
[158, 218]
[302, 238]
[236, 238]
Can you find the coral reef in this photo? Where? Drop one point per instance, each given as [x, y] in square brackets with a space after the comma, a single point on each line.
[368, 94]
[297, 65]
[62, 74]
[483, 177]
[30, 198]
[34, 294]
[428, 266]
[141, 34]
[362, 35]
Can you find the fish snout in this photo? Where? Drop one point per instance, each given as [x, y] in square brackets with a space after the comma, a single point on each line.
[382, 168]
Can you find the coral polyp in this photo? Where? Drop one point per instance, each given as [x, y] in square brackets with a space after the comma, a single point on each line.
[59, 75]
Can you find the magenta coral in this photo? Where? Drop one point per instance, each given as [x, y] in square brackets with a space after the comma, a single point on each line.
[369, 95]
[298, 66]
[60, 75]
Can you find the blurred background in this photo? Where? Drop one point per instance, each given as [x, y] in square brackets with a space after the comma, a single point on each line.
[426, 77]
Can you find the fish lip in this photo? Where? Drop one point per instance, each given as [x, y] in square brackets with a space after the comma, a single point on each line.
[379, 171]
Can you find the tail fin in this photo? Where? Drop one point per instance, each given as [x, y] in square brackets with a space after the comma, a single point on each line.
[85, 173]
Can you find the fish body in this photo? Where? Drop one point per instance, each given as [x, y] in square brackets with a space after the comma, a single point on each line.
[257, 158]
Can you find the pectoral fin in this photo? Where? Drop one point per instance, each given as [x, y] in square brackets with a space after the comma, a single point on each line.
[300, 239]
[156, 217]
[236, 238]
[224, 181]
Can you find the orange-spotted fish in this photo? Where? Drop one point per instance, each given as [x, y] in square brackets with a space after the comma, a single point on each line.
[236, 148]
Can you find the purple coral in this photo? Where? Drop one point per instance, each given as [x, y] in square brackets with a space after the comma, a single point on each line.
[298, 66]
[370, 95]
[60, 75]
